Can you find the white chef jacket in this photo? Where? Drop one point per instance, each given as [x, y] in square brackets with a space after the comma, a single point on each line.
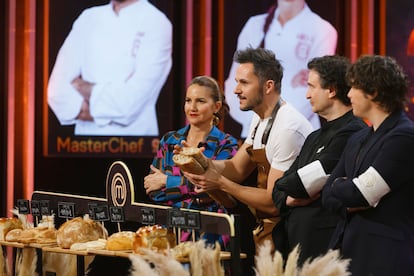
[301, 38]
[128, 58]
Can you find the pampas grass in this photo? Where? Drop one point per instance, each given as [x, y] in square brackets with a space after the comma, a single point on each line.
[329, 264]
[205, 260]
[163, 265]
[266, 265]
[140, 267]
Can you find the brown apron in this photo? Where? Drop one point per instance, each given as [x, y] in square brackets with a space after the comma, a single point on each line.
[266, 222]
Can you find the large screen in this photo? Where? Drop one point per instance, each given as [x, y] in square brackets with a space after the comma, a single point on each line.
[108, 89]
[400, 42]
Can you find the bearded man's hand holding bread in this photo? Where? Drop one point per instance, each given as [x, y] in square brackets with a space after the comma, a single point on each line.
[192, 160]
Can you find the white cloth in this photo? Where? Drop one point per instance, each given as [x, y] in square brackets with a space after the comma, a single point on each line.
[372, 186]
[127, 56]
[313, 177]
[302, 38]
[289, 131]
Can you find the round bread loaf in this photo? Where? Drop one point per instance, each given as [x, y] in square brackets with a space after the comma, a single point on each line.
[7, 224]
[13, 235]
[79, 230]
[154, 237]
[120, 241]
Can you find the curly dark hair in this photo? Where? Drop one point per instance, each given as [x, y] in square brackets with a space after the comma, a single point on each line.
[332, 71]
[216, 94]
[382, 77]
[265, 64]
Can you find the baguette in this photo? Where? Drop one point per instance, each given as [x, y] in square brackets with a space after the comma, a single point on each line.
[197, 155]
[191, 160]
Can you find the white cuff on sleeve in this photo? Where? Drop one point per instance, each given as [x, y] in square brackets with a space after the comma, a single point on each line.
[313, 177]
[372, 186]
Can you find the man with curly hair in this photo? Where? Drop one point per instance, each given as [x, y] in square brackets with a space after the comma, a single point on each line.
[372, 186]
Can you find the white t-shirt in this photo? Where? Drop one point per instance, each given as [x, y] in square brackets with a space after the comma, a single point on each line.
[302, 38]
[289, 131]
[128, 58]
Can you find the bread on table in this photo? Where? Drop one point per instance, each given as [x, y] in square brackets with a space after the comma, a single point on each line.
[13, 235]
[79, 230]
[40, 235]
[154, 237]
[120, 241]
[7, 224]
[45, 232]
[96, 244]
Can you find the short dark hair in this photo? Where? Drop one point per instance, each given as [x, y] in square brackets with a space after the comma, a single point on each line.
[332, 71]
[265, 64]
[382, 75]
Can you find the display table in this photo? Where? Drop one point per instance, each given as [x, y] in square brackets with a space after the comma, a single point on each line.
[120, 194]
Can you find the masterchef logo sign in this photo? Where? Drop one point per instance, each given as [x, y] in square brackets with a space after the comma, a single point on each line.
[119, 185]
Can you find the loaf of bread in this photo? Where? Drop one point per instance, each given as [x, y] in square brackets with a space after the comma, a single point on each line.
[120, 241]
[40, 235]
[191, 160]
[79, 230]
[13, 235]
[7, 224]
[154, 237]
[196, 154]
[81, 246]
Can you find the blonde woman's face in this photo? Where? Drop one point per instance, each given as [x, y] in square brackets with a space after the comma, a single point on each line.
[199, 106]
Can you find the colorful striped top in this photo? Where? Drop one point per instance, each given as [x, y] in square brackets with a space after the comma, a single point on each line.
[179, 192]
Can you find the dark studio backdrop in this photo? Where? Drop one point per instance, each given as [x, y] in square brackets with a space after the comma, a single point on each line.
[86, 174]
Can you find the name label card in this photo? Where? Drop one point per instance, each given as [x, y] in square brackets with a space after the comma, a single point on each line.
[183, 219]
[44, 208]
[91, 211]
[35, 207]
[148, 216]
[101, 212]
[66, 210]
[193, 220]
[23, 206]
[117, 214]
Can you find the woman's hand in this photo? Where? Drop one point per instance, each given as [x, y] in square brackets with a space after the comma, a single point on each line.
[178, 148]
[155, 180]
